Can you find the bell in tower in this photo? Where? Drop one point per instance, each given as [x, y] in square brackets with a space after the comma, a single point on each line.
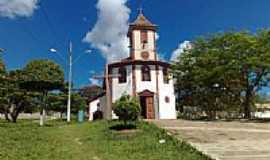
[142, 39]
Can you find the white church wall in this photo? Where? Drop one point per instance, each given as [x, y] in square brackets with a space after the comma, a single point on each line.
[145, 85]
[166, 109]
[93, 107]
[118, 89]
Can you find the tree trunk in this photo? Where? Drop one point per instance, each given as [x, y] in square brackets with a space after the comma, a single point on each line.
[15, 115]
[16, 111]
[247, 107]
[43, 111]
[61, 115]
[42, 116]
[6, 116]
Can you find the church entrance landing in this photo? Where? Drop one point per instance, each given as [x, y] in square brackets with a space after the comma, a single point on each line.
[147, 104]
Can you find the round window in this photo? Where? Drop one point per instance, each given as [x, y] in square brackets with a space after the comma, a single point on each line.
[145, 55]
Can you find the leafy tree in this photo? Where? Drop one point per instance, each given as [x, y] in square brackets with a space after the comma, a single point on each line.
[255, 67]
[58, 102]
[127, 108]
[16, 99]
[42, 76]
[223, 70]
[2, 87]
[205, 74]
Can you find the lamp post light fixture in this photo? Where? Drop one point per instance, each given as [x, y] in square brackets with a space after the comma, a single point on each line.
[53, 50]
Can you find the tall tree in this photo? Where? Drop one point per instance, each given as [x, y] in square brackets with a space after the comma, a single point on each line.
[42, 76]
[218, 70]
[17, 100]
[254, 61]
[2, 87]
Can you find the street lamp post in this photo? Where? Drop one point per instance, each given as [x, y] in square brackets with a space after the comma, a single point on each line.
[53, 50]
[70, 74]
[69, 82]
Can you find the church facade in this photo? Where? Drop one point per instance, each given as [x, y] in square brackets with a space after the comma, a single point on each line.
[142, 75]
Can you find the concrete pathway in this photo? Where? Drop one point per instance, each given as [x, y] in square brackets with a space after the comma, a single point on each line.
[223, 140]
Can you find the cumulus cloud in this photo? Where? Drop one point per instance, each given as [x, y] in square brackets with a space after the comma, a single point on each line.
[17, 8]
[95, 81]
[109, 35]
[181, 48]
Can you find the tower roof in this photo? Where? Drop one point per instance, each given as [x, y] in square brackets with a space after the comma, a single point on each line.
[142, 22]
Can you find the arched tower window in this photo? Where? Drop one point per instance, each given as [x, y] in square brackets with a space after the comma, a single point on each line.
[165, 75]
[144, 37]
[122, 75]
[146, 73]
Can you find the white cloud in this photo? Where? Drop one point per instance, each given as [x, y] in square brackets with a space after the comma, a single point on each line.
[109, 34]
[94, 81]
[181, 48]
[157, 36]
[17, 8]
[162, 57]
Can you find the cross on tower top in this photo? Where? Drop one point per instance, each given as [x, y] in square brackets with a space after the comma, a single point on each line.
[140, 10]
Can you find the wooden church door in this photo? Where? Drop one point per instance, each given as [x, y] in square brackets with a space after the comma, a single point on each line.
[150, 107]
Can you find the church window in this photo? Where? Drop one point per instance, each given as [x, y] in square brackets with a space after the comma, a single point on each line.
[167, 99]
[122, 75]
[165, 76]
[146, 73]
[144, 37]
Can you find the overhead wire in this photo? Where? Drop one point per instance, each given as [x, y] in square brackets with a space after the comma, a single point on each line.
[50, 25]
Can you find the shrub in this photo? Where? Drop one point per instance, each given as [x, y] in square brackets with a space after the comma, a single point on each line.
[127, 108]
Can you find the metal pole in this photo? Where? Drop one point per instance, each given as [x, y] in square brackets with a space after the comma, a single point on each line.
[69, 82]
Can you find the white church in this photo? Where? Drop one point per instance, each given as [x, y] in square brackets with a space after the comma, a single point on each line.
[141, 75]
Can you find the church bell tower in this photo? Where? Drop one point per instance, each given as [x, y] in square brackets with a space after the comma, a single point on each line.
[142, 36]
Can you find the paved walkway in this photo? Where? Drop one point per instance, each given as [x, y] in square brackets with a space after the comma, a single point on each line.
[223, 140]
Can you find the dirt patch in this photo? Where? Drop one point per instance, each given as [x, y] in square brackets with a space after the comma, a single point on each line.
[219, 139]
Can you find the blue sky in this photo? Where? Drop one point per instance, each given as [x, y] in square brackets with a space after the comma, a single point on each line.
[28, 38]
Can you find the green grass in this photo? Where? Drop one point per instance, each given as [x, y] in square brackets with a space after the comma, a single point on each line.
[89, 141]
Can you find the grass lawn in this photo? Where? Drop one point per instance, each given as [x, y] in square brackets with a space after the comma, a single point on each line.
[88, 141]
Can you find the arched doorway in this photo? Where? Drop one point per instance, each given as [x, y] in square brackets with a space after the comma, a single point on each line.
[147, 104]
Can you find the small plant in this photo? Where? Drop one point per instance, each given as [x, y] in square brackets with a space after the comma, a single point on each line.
[127, 108]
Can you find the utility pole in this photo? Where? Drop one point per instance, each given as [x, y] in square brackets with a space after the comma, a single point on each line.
[69, 82]
[108, 113]
[108, 110]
